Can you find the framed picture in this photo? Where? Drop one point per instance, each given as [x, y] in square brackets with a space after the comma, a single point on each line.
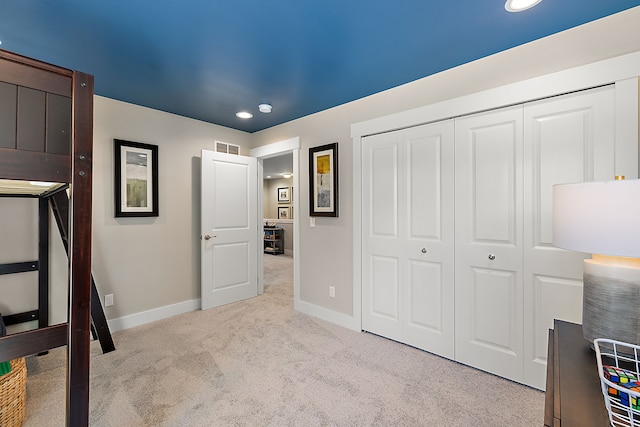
[136, 179]
[283, 212]
[323, 180]
[283, 194]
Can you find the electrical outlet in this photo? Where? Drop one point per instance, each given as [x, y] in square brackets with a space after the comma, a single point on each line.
[332, 291]
[108, 300]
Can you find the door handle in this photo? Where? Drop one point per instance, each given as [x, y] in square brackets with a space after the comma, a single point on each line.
[207, 237]
[492, 257]
[424, 250]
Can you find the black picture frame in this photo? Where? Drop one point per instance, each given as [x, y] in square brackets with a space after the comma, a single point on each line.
[283, 212]
[135, 179]
[323, 180]
[283, 195]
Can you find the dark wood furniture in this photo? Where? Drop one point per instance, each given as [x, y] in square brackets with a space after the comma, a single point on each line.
[273, 240]
[35, 146]
[573, 396]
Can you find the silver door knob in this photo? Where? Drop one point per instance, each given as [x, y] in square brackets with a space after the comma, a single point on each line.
[207, 237]
[424, 250]
[492, 257]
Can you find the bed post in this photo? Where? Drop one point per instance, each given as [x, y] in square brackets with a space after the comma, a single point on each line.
[80, 252]
[43, 263]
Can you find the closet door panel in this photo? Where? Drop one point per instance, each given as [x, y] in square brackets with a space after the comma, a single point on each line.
[408, 218]
[567, 139]
[551, 295]
[425, 296]
[494, 296]
[429, 294]
[425, 188]
[383, 194]
[488, 258]
[491, 161]
[385, 289]
[382, 244]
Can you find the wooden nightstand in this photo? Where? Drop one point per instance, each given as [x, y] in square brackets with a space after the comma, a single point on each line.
[573, 396]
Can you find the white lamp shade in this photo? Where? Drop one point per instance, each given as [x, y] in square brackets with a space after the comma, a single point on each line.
[598, 217]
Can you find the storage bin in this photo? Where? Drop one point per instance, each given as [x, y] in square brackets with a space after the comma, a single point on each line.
[619, 371]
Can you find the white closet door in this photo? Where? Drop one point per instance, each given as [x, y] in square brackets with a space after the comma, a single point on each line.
[567, 139]
[489, 254]
[407, 231]
[382, 235]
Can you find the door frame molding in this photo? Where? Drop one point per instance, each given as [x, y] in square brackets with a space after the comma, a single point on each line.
[623, 71]
[291, 145]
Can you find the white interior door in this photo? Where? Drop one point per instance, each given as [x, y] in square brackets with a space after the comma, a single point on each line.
[489, 257]
[568, 139]
[407, 230]
[229, 185]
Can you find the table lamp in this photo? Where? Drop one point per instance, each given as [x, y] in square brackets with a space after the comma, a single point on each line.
[603, 218]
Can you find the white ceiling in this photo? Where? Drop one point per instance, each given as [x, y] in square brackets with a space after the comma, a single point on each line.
[276, 166]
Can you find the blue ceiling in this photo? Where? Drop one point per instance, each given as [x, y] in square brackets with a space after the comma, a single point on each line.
[208, 59]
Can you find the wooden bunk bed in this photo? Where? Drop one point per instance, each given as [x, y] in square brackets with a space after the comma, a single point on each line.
[35, 146]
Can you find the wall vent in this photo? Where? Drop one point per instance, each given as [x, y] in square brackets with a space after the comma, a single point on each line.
[223, 147]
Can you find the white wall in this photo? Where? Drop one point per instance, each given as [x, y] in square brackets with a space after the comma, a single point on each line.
[19, 243]
[18, 289]
[326, 257]
[151, 262]
[146, 263]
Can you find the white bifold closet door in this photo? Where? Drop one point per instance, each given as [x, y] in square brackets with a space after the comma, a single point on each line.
[499, 168]
[489, 255]
[511, 282]
[569, 138]
[407, 236]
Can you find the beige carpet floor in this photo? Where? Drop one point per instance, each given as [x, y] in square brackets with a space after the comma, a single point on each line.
[260, 363]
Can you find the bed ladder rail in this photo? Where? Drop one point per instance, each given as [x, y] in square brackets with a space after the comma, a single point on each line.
[99, 327]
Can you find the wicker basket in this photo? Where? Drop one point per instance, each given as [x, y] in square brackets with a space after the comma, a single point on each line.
[13, 394]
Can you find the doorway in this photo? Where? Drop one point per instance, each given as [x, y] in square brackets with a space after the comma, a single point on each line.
[273, 154]
[278, 213]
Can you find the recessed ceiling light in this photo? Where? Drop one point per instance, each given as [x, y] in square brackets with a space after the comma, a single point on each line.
[269, 176]
[520, 5]
[286, 175]
[244, 114]
[265, 108]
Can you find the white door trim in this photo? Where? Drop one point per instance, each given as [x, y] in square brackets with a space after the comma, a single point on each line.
[574, 79]
[264, 152]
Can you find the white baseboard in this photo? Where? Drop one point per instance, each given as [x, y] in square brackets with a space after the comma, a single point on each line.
[144, 317]
[153, 315]
[331, 316]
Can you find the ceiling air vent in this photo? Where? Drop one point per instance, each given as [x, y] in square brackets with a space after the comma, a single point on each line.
[223, 147]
